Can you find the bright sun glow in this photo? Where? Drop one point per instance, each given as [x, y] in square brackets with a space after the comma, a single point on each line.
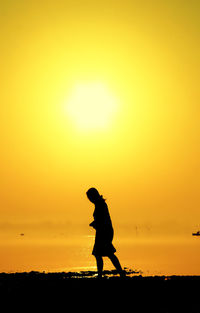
[91, 106]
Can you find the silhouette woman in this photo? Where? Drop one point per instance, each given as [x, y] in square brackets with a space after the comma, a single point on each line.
[104, 233]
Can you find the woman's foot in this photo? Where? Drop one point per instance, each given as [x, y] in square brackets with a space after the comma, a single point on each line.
[122, 274]
[99, 275]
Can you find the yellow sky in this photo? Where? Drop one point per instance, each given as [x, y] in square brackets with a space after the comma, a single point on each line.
[145, 160]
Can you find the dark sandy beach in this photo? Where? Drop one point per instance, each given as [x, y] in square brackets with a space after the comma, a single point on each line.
[80, 291]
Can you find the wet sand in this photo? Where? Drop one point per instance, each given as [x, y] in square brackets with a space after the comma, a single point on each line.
[74, 291]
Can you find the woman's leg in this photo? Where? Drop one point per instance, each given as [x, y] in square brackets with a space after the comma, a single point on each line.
[116, 263]
[99, 261]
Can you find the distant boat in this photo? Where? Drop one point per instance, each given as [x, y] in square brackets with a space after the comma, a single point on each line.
[196, 234]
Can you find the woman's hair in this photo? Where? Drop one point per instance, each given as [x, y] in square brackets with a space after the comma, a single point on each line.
[93, 195]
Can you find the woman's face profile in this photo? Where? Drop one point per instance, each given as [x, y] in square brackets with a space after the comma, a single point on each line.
[91, 198]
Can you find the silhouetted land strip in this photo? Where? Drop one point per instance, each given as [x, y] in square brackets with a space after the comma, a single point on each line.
[82, 290]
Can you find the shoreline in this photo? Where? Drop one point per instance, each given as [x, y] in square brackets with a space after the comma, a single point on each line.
[91, 274]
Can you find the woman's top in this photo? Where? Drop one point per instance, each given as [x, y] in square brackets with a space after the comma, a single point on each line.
[104, 230]
[102, 220]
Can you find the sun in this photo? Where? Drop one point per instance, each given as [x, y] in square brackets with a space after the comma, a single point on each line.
[91, 106]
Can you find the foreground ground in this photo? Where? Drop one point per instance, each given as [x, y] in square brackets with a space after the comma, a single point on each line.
[79, 291]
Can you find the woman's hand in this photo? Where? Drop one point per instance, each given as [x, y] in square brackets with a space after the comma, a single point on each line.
[93, 224]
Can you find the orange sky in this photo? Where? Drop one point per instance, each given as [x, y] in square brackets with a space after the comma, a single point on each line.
[141, 150]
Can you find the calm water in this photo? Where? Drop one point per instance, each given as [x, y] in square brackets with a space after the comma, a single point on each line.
[166, 256]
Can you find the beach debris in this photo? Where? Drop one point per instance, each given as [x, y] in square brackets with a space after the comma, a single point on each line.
[196, 234]
[106, 273]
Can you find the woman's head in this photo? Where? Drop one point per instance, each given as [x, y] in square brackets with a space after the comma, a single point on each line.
[93, 195]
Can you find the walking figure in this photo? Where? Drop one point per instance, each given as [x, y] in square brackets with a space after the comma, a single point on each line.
[104, 233]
